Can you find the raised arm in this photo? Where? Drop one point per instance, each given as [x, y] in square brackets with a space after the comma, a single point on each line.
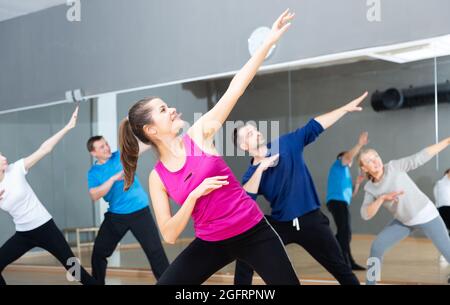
[206, 127]
[49, 144]
[328, 119]
[433, 150]
[348, 157]
[172, 226]
[412, 162]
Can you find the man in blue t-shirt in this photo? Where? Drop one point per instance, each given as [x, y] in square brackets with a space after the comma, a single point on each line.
[339, 196]
[279, 173]
[128, 211]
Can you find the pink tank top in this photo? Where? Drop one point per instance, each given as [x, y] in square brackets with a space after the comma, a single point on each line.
[223, 213]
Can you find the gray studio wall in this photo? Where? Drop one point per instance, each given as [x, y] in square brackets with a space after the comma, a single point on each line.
[189, 99]
[59, 180]
[394, 133]
[125, 44]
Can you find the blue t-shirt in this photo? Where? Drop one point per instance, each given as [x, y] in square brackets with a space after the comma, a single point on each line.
[339, 183]
[288, 186]
[120, 202]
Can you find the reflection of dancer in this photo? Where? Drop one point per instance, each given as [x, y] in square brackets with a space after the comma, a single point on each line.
[390, 186]
[442, 197]
[280, 174]
[339, 196]
[128, 211]
[228, 223]
[34, 225]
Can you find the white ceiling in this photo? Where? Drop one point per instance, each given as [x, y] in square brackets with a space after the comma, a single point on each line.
[13, 8]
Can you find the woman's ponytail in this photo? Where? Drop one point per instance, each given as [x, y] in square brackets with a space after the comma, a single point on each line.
[129, 152]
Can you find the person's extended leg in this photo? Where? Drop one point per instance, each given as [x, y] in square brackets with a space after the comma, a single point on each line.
[196, 264]
[389, 236]
[108, 238]
[11, 250]
[144, 229]
[50, 238]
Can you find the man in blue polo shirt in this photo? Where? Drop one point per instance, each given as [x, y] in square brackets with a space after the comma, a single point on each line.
[339, 196]
[128, 211]
[279, 173]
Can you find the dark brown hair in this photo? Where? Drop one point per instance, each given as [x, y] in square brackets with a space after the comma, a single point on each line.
[447, 171]
[131, 130]
[340, 155]
[90, 143]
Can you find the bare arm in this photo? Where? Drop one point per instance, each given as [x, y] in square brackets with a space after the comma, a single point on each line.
[206, 127]
[328, 119]
[414, 161]
[49, 144]
[433, 150]
[100, 191]
[348, 157]
[172, 226]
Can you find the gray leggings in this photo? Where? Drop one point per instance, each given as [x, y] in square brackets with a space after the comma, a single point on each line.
[396, 231]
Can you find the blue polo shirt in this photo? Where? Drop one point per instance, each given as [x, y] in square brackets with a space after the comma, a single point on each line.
[120, 202]
[340, 185]
[289, 186]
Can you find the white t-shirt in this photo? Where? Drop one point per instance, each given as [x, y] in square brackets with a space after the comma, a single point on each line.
[20, 201]
[427, 214]
[442, 192]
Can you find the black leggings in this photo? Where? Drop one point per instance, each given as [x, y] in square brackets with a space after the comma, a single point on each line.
[47, 237]
[259, 247]
[316, 237]
[341, 216]
[112, 230]
[445, 214]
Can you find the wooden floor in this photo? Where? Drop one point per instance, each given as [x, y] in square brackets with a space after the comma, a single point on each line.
[413, 261]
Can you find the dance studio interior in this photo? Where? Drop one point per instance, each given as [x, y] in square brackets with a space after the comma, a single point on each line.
[329, 163]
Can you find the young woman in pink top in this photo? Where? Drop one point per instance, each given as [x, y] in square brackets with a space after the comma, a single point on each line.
[228, 224]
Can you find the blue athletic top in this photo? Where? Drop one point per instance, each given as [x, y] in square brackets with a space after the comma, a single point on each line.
[120, 202]
[288, 186]
[339, 183]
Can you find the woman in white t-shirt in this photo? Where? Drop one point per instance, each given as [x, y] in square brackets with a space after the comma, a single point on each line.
[442, 197]
[34, 225]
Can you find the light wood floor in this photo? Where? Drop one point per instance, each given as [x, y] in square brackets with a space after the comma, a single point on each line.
[413, 261]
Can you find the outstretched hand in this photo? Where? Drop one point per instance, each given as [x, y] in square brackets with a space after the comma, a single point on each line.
[363, 138]
[354, 105]
[280, 26]
[73, 120]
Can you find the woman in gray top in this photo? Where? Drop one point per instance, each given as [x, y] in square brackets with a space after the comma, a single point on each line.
[390, 186]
